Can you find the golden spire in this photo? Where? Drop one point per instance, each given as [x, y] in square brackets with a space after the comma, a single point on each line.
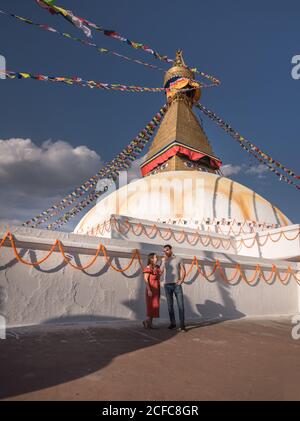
[180, 78]
[180, 143]
[179, 59]
[178, 70]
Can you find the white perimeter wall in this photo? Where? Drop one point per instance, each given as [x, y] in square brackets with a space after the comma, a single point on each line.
[55, 292]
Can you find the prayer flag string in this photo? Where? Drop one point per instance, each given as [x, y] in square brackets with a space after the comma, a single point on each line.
[109, 171]
[80, 82]
[261, 156]
[99, 49]
[86, 26]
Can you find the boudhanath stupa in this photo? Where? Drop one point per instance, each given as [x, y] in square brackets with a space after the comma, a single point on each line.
[180, 162]
[240, 251]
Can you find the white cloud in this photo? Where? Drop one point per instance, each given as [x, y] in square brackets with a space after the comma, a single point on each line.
[230, 169]
[32, 177]
[45, 169]
[259, 169]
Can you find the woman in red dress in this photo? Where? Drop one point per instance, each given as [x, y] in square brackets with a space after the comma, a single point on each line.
[152, 275]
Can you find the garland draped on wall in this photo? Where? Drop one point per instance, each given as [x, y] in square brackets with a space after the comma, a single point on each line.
[238, 273]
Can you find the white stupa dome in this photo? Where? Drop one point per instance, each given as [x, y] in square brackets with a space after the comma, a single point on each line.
[188, 196]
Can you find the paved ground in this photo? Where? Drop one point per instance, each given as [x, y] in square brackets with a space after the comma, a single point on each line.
[236, 360]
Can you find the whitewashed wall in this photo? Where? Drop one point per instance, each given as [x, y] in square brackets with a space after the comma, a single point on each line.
[56, 293]
[280, 243]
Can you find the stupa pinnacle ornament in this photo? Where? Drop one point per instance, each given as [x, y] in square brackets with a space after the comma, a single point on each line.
[180, 143]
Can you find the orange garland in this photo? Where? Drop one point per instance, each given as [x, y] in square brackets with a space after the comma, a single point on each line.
[204, 220]
[268, 236]
[170, 234]
[19, 258]
[136, 255]
[107, 226]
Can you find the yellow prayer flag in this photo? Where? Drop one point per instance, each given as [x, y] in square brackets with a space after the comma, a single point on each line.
[25, 75]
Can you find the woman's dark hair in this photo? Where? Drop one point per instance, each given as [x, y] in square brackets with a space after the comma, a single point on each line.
[150, 257]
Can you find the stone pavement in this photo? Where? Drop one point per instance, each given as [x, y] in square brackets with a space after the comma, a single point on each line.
[246, 359]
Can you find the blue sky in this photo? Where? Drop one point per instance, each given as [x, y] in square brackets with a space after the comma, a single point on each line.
[248, 45]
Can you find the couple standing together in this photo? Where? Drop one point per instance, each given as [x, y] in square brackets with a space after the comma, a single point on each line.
[174, 274]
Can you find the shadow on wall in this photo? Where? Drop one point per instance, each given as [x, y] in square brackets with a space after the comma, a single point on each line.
[213, 311]
[209, 310]
[3, 299]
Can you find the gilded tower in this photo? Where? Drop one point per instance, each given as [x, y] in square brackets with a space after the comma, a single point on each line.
[180, 143]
